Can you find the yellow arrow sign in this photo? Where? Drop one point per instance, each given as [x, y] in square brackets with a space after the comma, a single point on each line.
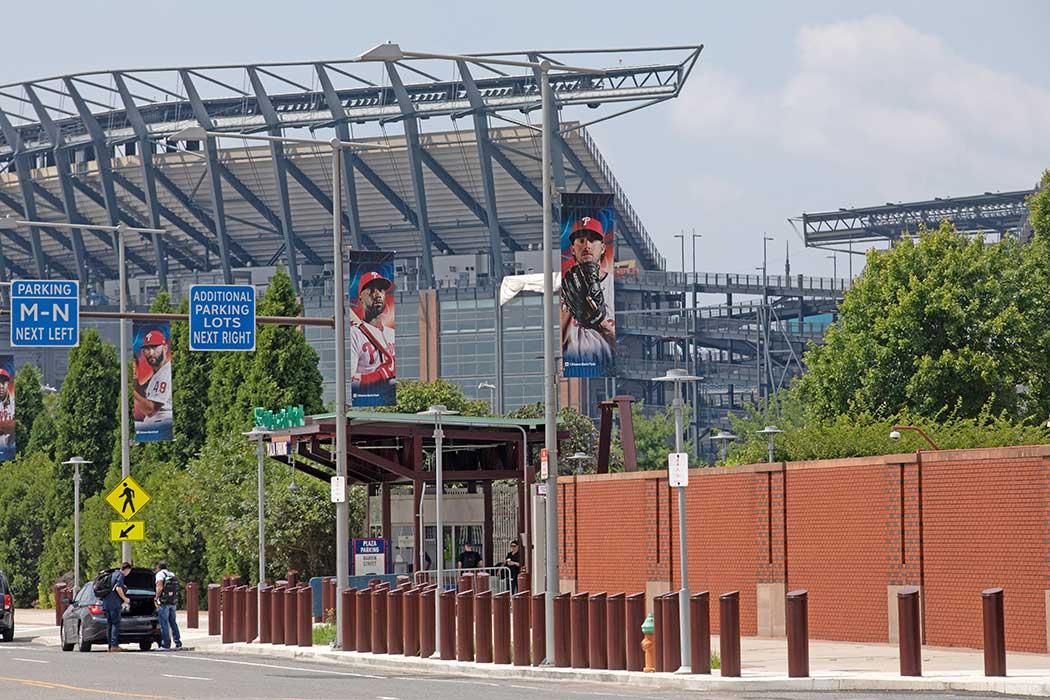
[128, 498]
[132, 531]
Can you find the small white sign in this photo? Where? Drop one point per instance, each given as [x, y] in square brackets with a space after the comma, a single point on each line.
[338, 489]
[277, 449]
[406, 541]
[543, 464]
[678, 469]
[541, 490]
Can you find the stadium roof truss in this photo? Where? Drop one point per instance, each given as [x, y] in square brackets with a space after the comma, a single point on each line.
[94, 147]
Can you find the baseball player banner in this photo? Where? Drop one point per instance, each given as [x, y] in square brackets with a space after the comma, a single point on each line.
[7, 407]
[588, 326]
[151, 348]
[373, 362]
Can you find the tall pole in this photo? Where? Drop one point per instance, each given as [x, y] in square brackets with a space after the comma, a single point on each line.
[125, 437]
[683, 593]
[342, 511]
[439, 487]
[261, 483]
[550, 386]
[76, 528]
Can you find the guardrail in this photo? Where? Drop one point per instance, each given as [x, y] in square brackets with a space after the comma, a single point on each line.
[499, 578]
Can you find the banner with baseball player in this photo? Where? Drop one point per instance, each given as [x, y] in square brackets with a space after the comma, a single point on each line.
[373, 362]
[588, 326]
[151, 348]
[7, 407]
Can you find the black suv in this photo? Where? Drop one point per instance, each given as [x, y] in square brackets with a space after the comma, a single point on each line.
[7, 610]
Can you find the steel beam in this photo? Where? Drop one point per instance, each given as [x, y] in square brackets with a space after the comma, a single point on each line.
[350, 159]
[395, 199]
[21, 163]
[27, 247]
[515, 172]
[323, 199]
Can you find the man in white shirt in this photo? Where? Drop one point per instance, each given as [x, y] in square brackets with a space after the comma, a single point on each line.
[167, 602]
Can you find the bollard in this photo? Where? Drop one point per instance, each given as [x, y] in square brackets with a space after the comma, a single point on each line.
[658, 632]
[394, 623]
[994, 632]
[402, 580]
[648, 630]
[729, 633]
[265, 621]
[465, 583]
[193, 605]
[410, 622]
[277, 615]
[578, 624]
[214, 609]
[363, 633]
[597, 634]
[501, 628]
[798, 634]
[60, 592]
[538, 612]
[293, 578]
[325, 602]
[634, 613]
[700, 623]
[615, 651]
[562, 630]
[523, 582]
[291, 615]
[379, 608]
[672, 630]
[465, 625]
[908, 631]
[481, 582]
[427, 643]
[483, 626]
[349, 621]
[519, 628]
[251, 613]
[240, 599]
[306, 627]
[228, 635]
[447, 643]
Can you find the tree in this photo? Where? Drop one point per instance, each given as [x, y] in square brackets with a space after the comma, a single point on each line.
[415, 396]
[582, 435]
[43, 435]
[654, 436]
[29, 395]
[190, 375]
[28, 512]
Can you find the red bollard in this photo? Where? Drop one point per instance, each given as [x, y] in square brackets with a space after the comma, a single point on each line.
[427, 642]
[305, 625]
[635, 614]
[465, 625]
[562, 630]
[363, 633]
[394, 623]
[265, 621]
[658, 635]
[379, 606]
[501, 628]
[293, 578]
[615, 653]
[240, 599]
[251, 613]
[798, 634]
[349, 626]
[277, 615]
[481, 583]
[519, 628]
[403, 581]
[214, 609]
[291, 615]
[729, 633]
[672, 631]
[410, 622]
[994, 632]
[908, 617]
[60, 592]
[465, 583]
[193, 605]
[523, 582]
[580, 626]
[447, 642]
[483, 626]
[327, 601]
[700, 622]
[229, 616]
[597, 635]
[538, 613]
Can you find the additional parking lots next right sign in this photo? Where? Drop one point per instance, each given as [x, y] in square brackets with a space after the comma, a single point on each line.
[222, 317]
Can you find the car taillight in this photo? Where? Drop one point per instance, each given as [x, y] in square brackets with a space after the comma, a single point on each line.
[95, 609]
[7, 601]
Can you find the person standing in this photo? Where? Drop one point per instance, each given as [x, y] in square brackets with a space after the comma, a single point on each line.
[115, 603]
[468, 558]
[513, 562]
[167, 603]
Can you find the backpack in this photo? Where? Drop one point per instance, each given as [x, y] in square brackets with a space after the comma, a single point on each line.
[169, 595]
[103, 583]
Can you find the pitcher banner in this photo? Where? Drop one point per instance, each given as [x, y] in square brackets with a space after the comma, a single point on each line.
[588, 325]
[7, 407]
[151, 348]
[373, 360]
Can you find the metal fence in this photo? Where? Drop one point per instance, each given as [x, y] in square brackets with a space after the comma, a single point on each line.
[499, 577]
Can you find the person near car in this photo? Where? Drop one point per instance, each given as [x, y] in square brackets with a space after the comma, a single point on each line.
[167, 602]
[115, 603]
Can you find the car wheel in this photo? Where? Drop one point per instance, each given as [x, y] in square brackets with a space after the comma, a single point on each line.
[10, 633]
[82, 645]
[66, 646]
[145, 646]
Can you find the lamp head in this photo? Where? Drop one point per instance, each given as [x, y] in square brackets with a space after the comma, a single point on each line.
[383, 53]
[895, 435]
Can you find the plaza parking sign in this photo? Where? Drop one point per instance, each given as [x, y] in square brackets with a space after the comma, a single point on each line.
[45, 314]
[222, 317]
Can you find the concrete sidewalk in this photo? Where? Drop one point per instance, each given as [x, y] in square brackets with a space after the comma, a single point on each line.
[841, 666]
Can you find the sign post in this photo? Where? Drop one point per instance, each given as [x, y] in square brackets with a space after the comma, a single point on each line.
[45, 313]
[222, 317]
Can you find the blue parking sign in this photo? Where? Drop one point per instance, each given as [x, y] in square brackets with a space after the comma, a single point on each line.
[222, 317]
[45, 314]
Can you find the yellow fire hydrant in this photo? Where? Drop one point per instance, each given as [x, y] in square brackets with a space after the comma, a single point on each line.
[648, 646]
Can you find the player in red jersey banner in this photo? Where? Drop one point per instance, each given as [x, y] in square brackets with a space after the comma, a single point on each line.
[153, 410]
[7, 407]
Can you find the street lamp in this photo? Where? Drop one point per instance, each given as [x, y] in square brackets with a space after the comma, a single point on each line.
[258, 434]
[725, 438]
[896, 435]
[492, 394]
[770, 431]
[578, 458]
[76, 462]
[677, 377]
[438, 410]
[834, 266]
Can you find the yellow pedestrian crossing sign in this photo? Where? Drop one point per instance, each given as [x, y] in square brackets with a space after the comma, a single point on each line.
[128, 498]
[131, 531]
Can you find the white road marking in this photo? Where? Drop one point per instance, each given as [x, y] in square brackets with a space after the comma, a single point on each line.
[31, 661]
[280, 668]
[386, 697]
[189, 678]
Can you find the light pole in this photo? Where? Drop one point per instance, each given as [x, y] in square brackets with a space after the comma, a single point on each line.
[76, 462]
[677, 377]
[258, 434]
[681, 239]
[895, 434]
[578, 458]
[492, 394]
[438, 410]
[834, 267]
[724, 438]
[770, 431]
[765, 274]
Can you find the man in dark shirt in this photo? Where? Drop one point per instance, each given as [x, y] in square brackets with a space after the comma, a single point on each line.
[513, 562]
[468, 558]
[114, 603]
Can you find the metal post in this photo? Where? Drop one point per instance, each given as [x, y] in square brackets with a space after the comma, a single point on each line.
[439, 551]
[260, 478]
[550, 388]
[683, 593]
[76, 529]
[342, 521]
[125, 456]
